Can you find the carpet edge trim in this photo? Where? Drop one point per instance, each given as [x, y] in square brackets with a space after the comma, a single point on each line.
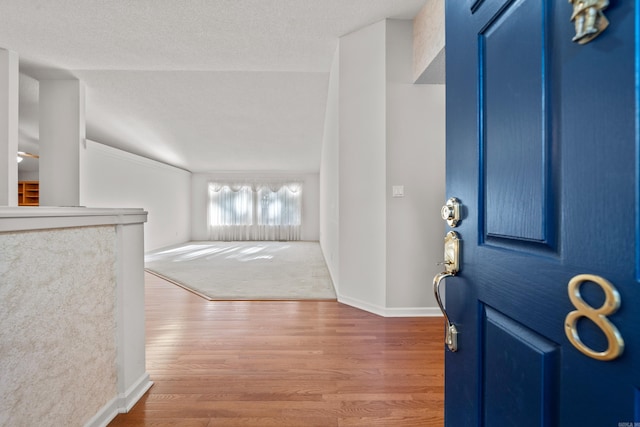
[208, 298]
[177, 283]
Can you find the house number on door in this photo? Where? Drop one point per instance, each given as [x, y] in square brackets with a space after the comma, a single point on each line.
[596, 315]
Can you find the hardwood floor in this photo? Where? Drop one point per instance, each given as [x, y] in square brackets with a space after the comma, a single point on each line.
[290, 363]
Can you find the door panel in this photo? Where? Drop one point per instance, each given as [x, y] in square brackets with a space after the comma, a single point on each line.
[512, 108]
[523, 365]
[542, 153]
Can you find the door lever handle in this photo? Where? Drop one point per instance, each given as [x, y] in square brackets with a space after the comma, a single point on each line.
[451, 267]
[451, 332]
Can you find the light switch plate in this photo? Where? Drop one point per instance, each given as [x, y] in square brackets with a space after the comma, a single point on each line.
[398, 190]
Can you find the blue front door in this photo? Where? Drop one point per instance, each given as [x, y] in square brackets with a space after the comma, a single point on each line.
[542, 152]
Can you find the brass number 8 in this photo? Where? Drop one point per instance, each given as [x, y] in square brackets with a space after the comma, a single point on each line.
[596, 315]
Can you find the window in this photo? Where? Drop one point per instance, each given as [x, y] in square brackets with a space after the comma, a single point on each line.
[231, 207]
[281, 207]
[256, 211]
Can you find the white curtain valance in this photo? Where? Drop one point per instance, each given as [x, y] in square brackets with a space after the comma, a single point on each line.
[274, 186]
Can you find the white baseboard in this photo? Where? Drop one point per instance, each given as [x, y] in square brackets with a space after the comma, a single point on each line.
[135, 392]
[121, 403]
[393, 311]
[413, 312]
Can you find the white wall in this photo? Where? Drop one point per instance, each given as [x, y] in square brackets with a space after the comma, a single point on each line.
[28, 176]
[386, 131]
[62, 131]
[415, 159]
[329, 176]
[310, 229]
[9, 112]
[362, 167]
[114, 178]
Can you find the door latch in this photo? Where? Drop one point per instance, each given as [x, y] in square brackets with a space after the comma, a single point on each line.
[451, 268]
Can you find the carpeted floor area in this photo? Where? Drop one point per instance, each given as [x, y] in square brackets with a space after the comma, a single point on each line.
[246, 270]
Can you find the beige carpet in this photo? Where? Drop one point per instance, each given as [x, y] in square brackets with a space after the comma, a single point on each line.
[246, 270]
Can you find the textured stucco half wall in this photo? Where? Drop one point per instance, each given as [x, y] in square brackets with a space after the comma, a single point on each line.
[58, 334]
[428, 43]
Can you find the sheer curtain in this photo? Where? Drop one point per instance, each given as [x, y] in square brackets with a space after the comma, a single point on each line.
[230, 211]
[255, 211]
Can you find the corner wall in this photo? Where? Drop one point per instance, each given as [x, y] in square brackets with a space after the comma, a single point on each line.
[362, 167]
[330, 177]
[382, 131]
[416, 160]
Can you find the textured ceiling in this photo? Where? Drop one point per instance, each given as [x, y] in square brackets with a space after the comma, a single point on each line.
[204, 85]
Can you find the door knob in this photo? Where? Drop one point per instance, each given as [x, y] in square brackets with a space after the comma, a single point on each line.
[451, 266]
[450, 212]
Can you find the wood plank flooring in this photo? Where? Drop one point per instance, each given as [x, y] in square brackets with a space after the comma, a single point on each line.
[289, 363]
